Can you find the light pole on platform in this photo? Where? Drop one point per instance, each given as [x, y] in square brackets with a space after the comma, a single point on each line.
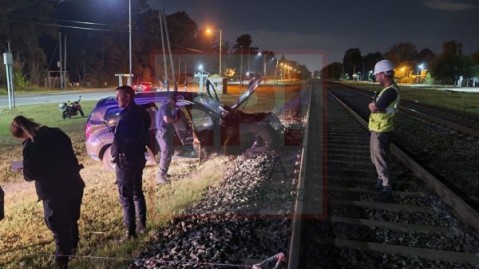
[129, 43]
[220, 45]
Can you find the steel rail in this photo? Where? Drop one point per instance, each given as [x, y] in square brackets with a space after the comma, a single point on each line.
[297, 214]
[447, 123]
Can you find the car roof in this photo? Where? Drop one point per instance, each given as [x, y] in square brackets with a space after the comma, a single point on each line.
[142, 98]
[183, 98]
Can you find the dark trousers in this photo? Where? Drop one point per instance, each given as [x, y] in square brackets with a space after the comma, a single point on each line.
[61, 216]
[130, 187]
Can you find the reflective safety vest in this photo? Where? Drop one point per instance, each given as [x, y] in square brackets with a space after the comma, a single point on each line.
[383, 121]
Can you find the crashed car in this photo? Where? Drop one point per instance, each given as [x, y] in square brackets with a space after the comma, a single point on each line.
[205, 125]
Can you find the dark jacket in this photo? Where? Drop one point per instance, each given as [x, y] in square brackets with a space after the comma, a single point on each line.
[52, 164]
[131, 133]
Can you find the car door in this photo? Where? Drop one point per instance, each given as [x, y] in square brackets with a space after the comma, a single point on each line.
[206, 126]
[183, 127]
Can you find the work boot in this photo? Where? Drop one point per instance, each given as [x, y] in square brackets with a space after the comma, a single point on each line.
[379, 185]
[129, 236]
[385, 195]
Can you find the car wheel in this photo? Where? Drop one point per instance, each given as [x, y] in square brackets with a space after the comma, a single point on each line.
[107, 160]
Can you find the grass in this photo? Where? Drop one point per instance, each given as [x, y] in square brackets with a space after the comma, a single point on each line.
[25, 240]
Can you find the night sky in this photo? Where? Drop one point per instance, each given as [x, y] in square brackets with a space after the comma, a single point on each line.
[317, 32]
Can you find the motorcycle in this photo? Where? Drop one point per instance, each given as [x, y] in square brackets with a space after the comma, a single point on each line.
[70, 109]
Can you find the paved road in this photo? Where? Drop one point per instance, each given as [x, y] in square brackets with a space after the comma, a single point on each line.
[57, 97]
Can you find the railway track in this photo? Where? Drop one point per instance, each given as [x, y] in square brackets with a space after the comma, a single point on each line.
[435, 140]
[417, 230]
[313, 208]
[462, 122]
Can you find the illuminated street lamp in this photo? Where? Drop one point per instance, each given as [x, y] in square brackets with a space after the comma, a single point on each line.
[420, 68]
[264, 65]
[201, 75]
[220, 45]
[276, 71]
[129, 42]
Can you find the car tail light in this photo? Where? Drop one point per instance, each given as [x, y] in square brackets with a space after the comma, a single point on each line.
[87, 130]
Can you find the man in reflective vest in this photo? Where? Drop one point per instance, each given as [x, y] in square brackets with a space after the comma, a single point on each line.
[381, 123]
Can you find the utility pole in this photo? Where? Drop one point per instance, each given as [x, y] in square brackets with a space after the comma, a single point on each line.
[65, 63]
[241, 69]
[8, 61]
[60, 63]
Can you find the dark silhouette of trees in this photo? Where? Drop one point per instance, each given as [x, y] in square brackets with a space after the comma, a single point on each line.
[23, 37]
[352, 61]
[426, 56]
[368, 63]
[452, 64]
[331, 71]
[402, 53]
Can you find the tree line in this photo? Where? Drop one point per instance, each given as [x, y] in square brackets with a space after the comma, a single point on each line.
[94, 38]
[446, 68]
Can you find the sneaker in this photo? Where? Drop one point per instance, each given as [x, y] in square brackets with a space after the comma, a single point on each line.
[162, 180]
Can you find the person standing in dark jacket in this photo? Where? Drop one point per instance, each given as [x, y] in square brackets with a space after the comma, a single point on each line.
[128, 152]
[49, 160]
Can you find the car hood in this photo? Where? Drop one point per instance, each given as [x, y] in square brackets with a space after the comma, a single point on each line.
[253, 84]
[215, 105]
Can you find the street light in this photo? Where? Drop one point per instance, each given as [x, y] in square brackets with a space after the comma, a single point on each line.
[420, 67]
[129, 42]
[219, 61]
[276, 71]
[264, 65]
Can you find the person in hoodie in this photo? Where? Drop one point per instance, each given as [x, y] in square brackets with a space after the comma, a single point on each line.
[49, 161]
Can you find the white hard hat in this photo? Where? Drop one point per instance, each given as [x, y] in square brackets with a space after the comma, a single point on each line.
[383, 66]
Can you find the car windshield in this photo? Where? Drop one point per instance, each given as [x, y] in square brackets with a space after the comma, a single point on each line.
[253, 84]
[214, 105]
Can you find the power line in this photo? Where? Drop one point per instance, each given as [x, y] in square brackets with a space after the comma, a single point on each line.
[67, 26]
[67, 21]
